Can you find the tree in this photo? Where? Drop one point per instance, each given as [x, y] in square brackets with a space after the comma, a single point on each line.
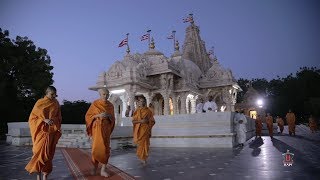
[298, 92]
[243, 83]
[25, 72]
[74, 112]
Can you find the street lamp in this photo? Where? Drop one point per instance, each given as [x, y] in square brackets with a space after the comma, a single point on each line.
[260, 103]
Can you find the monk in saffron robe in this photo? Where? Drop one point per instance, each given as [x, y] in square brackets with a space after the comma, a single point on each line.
[280, 123]
[312, 124]
[143, 122]
[291, 120]
[100, 121]
[45, 124]
[269, 121]
[258, 126]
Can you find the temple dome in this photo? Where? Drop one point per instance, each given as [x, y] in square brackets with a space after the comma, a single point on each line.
[153, 52]
[191, 68]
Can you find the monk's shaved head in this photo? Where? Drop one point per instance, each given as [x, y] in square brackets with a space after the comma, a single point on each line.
[51, 92]
[51, 89]
[103, 90]
[104, 93]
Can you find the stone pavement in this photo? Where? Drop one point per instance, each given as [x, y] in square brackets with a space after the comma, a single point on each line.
[258, 159]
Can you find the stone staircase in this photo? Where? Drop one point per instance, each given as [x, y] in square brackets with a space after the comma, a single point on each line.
[74, 141]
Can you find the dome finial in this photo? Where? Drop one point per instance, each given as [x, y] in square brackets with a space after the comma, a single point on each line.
[176, 47]
[152, 44]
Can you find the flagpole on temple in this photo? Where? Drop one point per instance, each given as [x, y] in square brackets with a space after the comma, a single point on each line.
[149, 37]
[191, 16]
[128, 49]
[174, 39]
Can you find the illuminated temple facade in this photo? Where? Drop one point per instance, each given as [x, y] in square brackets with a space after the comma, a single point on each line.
[173, 85]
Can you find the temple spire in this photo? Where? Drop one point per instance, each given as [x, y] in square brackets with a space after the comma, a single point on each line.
[194, 48]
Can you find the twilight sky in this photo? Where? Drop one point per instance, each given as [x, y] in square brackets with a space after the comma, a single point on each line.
[254, 38]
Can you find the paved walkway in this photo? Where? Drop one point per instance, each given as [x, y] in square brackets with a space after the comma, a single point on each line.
[259, 159]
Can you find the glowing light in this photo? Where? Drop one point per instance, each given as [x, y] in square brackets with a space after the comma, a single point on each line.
[118, 91]
[260, 102]
[190, 96]
[223, 108]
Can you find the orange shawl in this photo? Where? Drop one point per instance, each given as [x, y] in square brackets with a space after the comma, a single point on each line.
[280, 122]
[142, 131]
[258, 124]
[312, 124]
[291, 118]
[44, 137]
[100, 129]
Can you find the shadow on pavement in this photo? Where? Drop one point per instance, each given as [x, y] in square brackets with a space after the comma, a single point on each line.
[255, 145]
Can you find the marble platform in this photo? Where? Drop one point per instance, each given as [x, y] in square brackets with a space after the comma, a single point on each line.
[213, 129]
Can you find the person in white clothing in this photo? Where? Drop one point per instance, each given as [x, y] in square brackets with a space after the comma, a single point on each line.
[240, 120]
[129, 112]
[210, 105]
[199, 108]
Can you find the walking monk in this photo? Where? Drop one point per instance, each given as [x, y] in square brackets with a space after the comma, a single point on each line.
[143, 122]
[280, 123]
[100, 122]
[45, 124]
[269, 121]
[312, 124]
[258, 126]
[291, 120]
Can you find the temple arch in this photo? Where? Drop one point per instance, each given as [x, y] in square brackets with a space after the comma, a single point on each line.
[118, 108]
[158, 104]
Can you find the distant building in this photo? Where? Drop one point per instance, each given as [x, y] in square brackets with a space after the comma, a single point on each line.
[250, 104]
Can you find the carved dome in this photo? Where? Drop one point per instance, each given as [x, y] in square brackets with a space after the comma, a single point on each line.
[130, 61]
[218, 72]
[190, 67]
[153, 52]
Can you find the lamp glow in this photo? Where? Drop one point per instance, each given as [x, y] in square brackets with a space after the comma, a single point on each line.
[260, 102]
[118, 91]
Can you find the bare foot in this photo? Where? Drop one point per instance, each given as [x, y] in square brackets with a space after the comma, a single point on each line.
[45, 176]
[94, 171]
[144, 162]
[39, 176]
[103, 171]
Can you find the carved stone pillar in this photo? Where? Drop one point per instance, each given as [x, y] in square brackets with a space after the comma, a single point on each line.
[175, 105]
[124, 105]
[232, 107]
[166, 104]
[193, 105]
[148, 99]
[183, 104]
[131, 100]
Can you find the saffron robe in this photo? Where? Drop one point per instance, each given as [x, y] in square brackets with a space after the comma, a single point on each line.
[291, 120]
[142, 131]
[258, 126]
[44, 137]
[312, 124]
[280, 123]
[269, 121]
[100, 130]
